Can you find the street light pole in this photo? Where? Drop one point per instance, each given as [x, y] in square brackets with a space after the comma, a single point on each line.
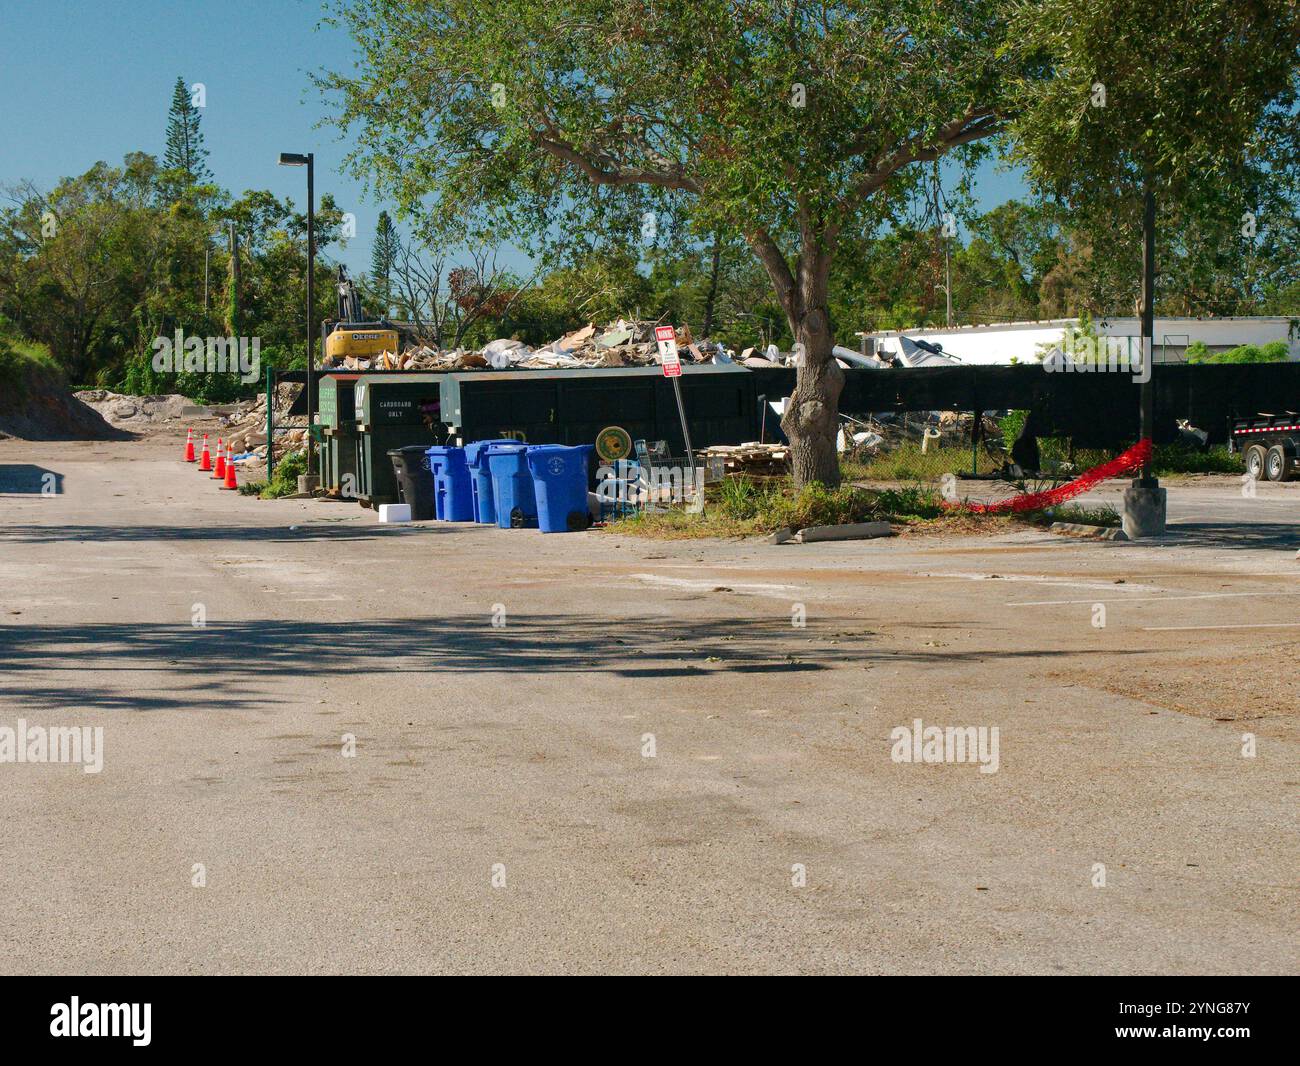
[1148, 402]
[1144, 500]
[296, 159]
[311, 277]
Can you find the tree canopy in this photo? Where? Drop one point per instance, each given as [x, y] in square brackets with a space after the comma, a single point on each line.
[788, 125]
[799, 128]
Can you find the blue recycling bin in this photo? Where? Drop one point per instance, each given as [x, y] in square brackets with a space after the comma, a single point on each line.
[453, 499]
[512, 486]
[560, 484]
[480, 478]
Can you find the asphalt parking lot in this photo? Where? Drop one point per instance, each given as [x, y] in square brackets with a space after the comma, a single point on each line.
[594, 753]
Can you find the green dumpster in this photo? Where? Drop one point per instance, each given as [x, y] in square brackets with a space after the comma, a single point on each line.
[338, 425]
[392, 411]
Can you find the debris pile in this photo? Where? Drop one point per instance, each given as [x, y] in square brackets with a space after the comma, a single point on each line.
[246, 423]
[751, 459]
[626, 342]
[135, 412]
[885, 432]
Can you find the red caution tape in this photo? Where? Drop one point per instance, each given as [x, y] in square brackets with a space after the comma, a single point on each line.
[1132, 459]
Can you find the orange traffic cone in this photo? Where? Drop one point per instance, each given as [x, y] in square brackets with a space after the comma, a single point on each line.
[189, 446]
[231, 483]
[205, 460]
[219, 471]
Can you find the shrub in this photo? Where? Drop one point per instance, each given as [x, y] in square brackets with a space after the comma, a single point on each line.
[285, 481]
[1272, 352]
[1180, 459]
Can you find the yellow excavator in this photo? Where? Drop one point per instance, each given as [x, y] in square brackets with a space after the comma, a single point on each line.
[351, 335]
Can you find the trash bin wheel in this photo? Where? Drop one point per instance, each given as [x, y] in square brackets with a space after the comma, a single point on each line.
[577, 520]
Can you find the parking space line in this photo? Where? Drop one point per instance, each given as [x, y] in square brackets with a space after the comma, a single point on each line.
[1239, 625]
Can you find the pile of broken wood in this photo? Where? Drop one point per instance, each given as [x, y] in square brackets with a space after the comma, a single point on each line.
[751, 460]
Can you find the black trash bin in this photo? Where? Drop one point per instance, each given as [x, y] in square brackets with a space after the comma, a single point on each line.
[415, 479]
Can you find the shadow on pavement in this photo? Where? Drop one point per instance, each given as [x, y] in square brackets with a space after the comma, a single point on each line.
[27, 478]
[221, 666]
[308, 529]
[1275, 535]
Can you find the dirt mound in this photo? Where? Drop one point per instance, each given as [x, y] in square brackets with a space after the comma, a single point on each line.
[38, 406]
[139, 413]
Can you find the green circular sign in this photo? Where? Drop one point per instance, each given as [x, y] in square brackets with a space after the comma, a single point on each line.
[613, 443]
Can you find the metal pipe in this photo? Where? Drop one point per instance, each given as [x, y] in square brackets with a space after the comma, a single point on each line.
[311, 272]
[1148, 396]
[270, 423]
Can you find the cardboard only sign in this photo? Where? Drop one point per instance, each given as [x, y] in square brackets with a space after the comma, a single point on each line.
[666, 338]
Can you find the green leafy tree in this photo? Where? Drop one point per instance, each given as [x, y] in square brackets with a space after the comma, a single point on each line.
[1195, 106]
[790, 126]
[185, 153]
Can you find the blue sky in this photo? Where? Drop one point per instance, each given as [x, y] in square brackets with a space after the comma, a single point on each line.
[93, 80]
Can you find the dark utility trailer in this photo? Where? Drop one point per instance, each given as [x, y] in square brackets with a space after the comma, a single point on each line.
[573, 406]
[1271, 444]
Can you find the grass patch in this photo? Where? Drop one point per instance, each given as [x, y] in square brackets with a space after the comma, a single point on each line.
[907, 462]
[19, 360]
[1103, 515]
[742, 507]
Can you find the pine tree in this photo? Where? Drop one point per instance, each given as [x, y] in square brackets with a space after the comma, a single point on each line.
[383, 257]
[185, 149]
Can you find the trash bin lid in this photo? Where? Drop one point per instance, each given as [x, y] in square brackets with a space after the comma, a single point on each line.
[544, 449]
[558, 460]
[477, 448]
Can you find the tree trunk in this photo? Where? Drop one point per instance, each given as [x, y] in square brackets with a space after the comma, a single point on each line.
[233, 289]
[812, 419]
[711, 296]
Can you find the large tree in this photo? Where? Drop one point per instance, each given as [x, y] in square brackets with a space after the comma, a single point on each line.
[1197, 107]
[384, 253]
[792, 125]
[1137, 110]
[185, 152]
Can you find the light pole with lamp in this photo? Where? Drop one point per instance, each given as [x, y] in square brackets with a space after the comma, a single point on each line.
[295, 159]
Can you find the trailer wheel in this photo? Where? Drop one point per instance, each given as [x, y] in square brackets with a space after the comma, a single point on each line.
[1278, 464]
[1255, 456]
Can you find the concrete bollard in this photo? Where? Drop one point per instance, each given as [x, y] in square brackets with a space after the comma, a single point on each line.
[1144, 510]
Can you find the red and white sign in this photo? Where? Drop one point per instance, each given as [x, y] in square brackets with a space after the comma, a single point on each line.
[666, 338]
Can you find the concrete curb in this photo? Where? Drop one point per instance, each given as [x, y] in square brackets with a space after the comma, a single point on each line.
[848, 531]
[1078, 529]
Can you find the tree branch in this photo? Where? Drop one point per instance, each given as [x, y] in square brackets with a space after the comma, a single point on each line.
[603, 169]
